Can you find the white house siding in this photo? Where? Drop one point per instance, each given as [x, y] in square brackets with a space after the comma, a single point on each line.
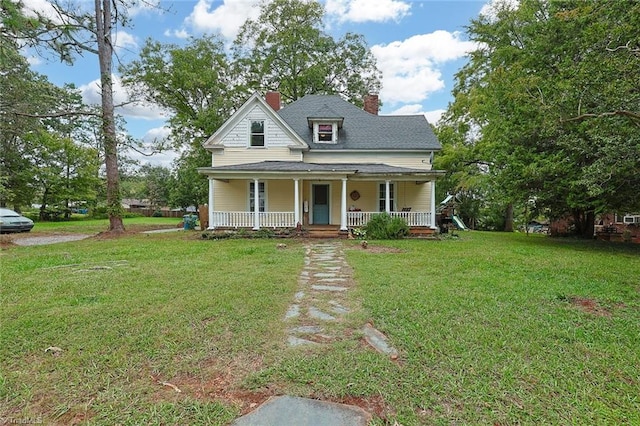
[238, 136]
[401, 159]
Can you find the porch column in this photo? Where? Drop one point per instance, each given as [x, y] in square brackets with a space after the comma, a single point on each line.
[256, 205]
[296, 202]
[343, 206]
[210, 213]
[433, 204]
[387, 201]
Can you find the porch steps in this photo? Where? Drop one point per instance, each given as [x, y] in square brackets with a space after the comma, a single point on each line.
[421, 231]
[325, 231]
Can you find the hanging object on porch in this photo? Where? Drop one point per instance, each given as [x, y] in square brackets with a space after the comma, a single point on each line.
[355, 195]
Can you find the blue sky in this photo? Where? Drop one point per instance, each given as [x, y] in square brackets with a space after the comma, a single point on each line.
[419, 46]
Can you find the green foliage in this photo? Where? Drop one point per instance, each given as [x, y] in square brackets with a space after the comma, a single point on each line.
[383, 226]
[359, 233]
[286, 49]
[544, 110]
[191, 81]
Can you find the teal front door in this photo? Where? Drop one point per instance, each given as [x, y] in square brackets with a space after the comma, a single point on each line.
[320, 204]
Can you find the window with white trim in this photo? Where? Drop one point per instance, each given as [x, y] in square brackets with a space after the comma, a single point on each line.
[382, 195]
[252, 196]
[325, 132]
[257, 133]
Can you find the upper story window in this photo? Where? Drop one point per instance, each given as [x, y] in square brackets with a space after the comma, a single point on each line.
[325, 132]
[257, 133]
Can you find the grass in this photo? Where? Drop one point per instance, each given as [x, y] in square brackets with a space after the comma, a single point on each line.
[491, 329]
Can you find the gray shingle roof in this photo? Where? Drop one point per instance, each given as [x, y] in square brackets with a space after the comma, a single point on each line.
[299, 166]
[360, 130]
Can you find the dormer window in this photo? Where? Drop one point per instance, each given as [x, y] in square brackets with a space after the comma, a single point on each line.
[325, 132]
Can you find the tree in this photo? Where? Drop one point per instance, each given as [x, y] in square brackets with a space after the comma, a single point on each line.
[72, 32]
[538, 108]
[64, 173]
[286, 50]
[29, 104]
[188, 188]
[192, 83]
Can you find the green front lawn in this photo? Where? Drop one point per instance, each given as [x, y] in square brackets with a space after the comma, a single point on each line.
[491, 329]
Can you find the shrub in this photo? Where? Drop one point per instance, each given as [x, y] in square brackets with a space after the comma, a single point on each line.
[384, 227]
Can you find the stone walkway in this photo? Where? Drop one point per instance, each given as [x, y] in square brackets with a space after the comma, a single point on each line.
[318, 312]
[317, 316]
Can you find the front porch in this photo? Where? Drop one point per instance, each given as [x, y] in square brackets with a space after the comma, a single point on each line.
[280, 195]
[419, 222]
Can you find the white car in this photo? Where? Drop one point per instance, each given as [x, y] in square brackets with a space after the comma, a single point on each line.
[11, 221]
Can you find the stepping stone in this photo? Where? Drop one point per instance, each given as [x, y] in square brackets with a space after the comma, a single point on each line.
[294, 311]
[296, 341]
[324, 275]
[338, 308]
[294, 411]
[379, 341]
[307, 329]
[299, 296]
[318, 314]
[328, 288]
[332, 280]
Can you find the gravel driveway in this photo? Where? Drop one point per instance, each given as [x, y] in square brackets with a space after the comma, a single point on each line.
[50, 239]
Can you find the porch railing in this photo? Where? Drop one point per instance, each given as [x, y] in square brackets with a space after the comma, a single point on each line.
[356, 219]
[246, 219]
[287, 219]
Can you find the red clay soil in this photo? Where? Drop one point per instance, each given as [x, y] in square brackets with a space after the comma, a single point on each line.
[590, 306]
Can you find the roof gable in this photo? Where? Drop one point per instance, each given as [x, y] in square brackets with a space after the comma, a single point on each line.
[256, 100]
[360, 130]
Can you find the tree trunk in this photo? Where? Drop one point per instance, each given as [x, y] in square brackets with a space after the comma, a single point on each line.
[508, 218]
[105, 57]
[584, 222]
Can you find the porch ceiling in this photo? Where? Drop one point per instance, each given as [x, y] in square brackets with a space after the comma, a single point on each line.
[298, 169]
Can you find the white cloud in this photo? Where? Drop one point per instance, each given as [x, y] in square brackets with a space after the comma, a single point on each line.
[491, 8]
[33, 8]
[91, 95]
[226, 18]
[145, 7]
[157, 134]
[411, 68]
[181, 33]
[367, 10]
[123, 40]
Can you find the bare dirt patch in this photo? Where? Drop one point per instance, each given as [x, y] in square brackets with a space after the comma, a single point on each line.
[590, 306]
[219, 381]
[373, 404]
[377, 249]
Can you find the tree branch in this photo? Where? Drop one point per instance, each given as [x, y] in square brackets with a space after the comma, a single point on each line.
[57, 114]
[630, 114]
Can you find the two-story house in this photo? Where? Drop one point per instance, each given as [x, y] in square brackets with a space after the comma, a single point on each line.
[319, 161]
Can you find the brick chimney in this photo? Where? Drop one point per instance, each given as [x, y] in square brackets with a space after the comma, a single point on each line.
[273, 99]
[371, 104]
